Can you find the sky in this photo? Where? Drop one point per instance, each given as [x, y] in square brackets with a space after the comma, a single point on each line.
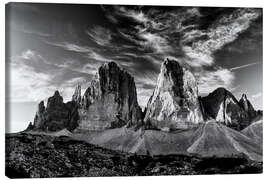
[57, 46]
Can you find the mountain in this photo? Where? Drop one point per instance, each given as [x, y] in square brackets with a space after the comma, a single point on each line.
[174, 103]
[57, 115]
[222, 106]
[247, 106]
[209, 139]
[110, 101]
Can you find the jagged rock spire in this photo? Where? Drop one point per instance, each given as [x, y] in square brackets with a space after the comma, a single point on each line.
[76, 97]
[247, 106]
[55, 100]
[174, 103]
[110, 100]
[57, 115]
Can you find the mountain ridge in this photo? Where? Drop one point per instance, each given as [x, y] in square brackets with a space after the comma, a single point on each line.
[110, 101]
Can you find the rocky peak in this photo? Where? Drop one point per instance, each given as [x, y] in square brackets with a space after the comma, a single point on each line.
[111, 77]
[110, 100]
[29, 127]
[171, 76]
[39, 114]
[244, 97]
[247, 106]
[57, 115]
[55, 100]
[220, 93]
[244, 102]
[41, 107]
[222, 106]
[76, 97]
[174, 103]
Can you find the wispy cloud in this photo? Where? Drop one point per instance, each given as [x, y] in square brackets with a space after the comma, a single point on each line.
[210, 80]
[244, 66]
[138, 16]
[100, 35]
[28, 85]
[112, 18]
[169, 34]
[36, 33]
[33, 78]
[156, 42]
[142, 34]
[255, 96]
[98, 57]
[71, 46]
[221, 33]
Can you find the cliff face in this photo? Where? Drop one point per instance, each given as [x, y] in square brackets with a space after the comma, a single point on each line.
[222, 106]
[57, 115]
[110, 101]
[174, 103]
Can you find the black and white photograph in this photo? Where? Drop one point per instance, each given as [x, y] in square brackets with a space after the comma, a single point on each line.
[96, 90]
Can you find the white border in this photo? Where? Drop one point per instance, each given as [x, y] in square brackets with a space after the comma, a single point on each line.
[224, 3]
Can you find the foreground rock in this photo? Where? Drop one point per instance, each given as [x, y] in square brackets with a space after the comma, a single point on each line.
[222, 106]
[110, 101]
[174, 103]
[57, 115]
[39, 156]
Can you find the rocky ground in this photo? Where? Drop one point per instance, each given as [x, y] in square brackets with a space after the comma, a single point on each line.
[49, 156]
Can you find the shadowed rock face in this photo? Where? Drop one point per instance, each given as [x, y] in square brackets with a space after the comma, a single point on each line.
[222, 106]
[57, 115]
[110, 101]
[174, 103]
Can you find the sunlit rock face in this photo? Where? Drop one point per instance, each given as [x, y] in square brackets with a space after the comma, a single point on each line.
[174, 103]
[247, 106]
[110, 101]
[57, 115]
[222, 106]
